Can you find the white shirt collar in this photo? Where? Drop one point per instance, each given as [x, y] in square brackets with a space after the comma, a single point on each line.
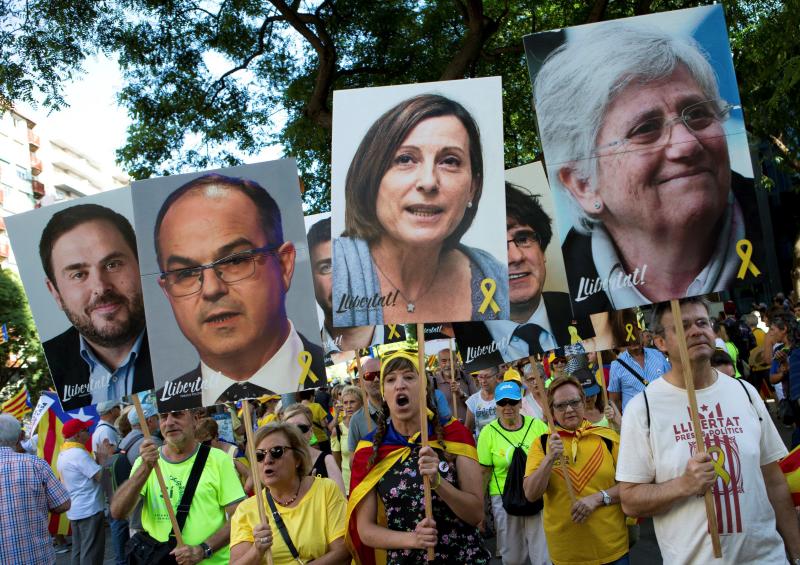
[502, 330]
[279, 374]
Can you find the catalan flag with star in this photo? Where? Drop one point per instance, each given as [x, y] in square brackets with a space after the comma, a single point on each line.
[18, 405]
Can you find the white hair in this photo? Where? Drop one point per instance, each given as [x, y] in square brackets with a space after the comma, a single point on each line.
[579, 80]
[9, 430]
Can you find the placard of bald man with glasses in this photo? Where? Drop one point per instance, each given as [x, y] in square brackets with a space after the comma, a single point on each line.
[225, 270]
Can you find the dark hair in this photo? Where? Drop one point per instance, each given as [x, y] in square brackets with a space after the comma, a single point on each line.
[70, 218]
[268, 210]
[720, 357]
[376, 152]
[525, 209]
[663, 307]
[305, 394]
[319, 233]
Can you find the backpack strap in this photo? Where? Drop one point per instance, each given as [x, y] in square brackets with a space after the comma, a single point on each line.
[276, 516]
[191, 485]
[750, 398]
[632, 372]
[646, 408]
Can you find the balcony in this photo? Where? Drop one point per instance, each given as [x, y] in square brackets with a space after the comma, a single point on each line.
[36, 165]
[33, 140]
[38, 189]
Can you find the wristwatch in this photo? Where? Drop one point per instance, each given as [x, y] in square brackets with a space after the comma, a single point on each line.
[207, 551]
[606, 498]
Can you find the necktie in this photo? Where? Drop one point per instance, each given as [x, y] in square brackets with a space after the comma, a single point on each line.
[529, 333]
[242, 390]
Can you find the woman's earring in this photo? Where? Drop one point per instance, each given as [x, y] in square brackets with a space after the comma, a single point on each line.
[469, 204]
[597, 205]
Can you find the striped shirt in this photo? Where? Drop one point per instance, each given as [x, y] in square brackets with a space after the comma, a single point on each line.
[621, 380]
[28, 489]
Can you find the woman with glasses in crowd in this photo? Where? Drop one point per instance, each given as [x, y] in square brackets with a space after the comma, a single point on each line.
[323, 464]
[590, 529]
[519, 537]
[386, 509]
[351, 401]
[311, 508]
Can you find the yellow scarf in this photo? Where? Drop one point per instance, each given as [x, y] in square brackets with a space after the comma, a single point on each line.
[585, 429]
[72, 445]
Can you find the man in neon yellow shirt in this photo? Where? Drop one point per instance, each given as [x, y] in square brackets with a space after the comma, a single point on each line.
[207, 530]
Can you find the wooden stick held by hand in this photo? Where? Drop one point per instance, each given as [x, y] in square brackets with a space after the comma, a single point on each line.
[162, 485]
[364, 395]
[423, 423]
[254, 466]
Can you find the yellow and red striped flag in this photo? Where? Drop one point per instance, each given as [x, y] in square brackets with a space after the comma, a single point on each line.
[17, 405]
[790, 465]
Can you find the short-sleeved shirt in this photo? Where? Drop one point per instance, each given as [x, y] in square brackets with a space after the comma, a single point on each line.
[317, 521]
[320, 421]
[218, 487]
[104, 431]
[739, 443]
[621, 380]
[484, 411]
[496, 446]
[603, 537]
[77, 470]
[30, 483]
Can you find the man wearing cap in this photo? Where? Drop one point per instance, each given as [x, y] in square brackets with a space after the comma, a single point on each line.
[359, 427]
[81, 476]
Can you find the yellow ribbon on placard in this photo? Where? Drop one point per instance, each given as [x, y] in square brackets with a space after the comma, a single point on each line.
[573, 335]
[630, 336]
[744, 249]
[305, 363]
[488, 287]
[393, 333]
[719, 463]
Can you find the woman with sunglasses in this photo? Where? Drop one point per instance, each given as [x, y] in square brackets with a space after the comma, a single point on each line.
[386, 508]
[591, 530]
[323, 464]
[519, 538]
[311, 508]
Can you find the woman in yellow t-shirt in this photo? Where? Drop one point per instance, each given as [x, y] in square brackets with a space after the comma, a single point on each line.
[312, 509]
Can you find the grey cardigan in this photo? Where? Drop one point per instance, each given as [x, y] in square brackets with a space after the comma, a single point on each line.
[354, 275]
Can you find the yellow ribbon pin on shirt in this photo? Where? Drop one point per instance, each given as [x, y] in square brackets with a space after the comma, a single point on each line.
[304, 359]
[719, 463]
[744, 249]
[488, 288]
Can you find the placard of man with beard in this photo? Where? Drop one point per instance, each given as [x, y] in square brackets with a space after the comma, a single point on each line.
[88, 253]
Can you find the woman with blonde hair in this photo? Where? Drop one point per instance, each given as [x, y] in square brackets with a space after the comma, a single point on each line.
[323, 464]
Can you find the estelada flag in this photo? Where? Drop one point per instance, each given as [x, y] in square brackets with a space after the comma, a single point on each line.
[18, 405]
[790, 465]
[49, 445]
[457, 441]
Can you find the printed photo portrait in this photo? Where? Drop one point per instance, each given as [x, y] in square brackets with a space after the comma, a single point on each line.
[541, 309]
[338, 339]
[227, 285]
[417, 184]
[79, 264]
[644, 139]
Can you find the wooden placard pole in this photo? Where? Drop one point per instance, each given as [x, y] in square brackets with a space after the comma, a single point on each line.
[451, 349]
[254, 467]
[162, 485]
[423, 422]
[552, 426]
[364, 395]
[688, 378]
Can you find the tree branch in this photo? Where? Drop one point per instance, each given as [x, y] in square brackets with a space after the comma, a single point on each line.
[479, 29]
[598, 9]
[789, 159]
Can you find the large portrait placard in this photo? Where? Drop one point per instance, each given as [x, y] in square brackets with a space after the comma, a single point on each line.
[417, 182]
[227, 284]
[646, 150]
[79, 266]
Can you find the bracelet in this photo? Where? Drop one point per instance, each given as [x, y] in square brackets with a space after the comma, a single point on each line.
[438, 482]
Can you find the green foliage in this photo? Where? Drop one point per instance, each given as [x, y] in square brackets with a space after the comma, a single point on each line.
[22, 356]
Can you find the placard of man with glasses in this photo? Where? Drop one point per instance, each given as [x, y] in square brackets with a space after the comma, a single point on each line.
[225, 270]
[640, 139]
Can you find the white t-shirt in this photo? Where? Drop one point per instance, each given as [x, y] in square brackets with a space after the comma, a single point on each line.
[736, 439]
[103, 431]
[483, 410]
[76, 468]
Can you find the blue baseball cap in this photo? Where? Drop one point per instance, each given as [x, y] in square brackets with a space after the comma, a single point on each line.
[588, 382]
[507, 390]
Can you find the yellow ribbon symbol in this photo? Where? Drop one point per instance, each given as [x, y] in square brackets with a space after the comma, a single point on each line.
[630, 336]
[574, 337]
[393, 333]
[488, 286]
[719, 463]
[744, 249]
[304, 359]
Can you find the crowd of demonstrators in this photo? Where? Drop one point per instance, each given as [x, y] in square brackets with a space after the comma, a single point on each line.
[663, 475]
[585, 455]
[320, 420]
[454, 385]
[481, 406]
[633, 369]
[351, 402]
[366, 418]
[323, 465]
[388, 470]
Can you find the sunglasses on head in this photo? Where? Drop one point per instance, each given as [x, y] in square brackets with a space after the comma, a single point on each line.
[274, 452]
[371, 375]
[304, 428]
[507, 402]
